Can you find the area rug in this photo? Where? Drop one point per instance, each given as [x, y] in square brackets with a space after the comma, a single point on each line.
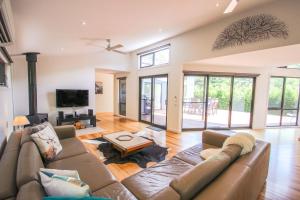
[153, 153]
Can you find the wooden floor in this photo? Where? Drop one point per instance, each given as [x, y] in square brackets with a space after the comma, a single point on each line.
[284, 173]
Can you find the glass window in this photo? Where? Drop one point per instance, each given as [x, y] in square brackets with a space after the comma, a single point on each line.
[2, 75]
[291, 93]
[147, 60]
[283, 101]
[162, 57]
[159, 56]
[273, 118]
[275, 92]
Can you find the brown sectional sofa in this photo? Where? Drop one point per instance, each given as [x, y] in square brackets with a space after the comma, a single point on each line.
[21, 161]
[185, 176]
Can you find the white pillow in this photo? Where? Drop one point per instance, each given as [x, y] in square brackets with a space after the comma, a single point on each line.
[47, 142]
[63, 183]
[207, 153]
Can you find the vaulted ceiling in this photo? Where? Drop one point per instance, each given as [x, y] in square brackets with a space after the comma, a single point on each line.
[57, 26]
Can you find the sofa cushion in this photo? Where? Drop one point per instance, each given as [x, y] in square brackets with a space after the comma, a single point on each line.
[8, 167]
[115, 191]
[65, 131]
[70, 147]
[13, 142]
[191, 155]
[90, 169]
[31, 190]
[26, 135]
[29, 164]
[152, 180]
[167, 193]
[3, 142]
[194, 180]
[215, 138]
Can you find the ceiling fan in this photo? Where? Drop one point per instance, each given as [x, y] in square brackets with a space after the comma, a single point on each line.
[231, 6]
[109, 47]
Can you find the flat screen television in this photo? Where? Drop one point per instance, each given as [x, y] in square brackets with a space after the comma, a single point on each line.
[72, 98]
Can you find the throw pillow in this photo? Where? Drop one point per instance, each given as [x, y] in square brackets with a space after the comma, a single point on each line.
[47, 142]
[207, 153]
[60, 172]
[40, 127]
[57, 184]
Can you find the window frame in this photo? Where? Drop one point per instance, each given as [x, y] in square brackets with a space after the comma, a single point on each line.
[153, 52]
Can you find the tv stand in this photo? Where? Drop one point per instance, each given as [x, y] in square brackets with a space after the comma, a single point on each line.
[77, 118]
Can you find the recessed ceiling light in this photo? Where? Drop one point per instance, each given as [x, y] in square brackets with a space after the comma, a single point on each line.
[217, 4]
[83, 23]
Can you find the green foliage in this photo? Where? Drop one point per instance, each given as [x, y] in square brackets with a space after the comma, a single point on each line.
[219, 89]
[291, 94]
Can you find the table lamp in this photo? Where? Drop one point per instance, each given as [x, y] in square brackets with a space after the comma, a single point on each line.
[20, 121]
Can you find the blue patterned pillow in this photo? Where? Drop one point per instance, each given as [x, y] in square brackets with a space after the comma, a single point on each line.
[63, 183]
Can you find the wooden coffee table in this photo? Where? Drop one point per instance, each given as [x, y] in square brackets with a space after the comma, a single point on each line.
[127, 143]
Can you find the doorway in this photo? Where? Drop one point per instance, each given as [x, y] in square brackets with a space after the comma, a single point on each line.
[153, 98]
[122, 96]
[217, 101]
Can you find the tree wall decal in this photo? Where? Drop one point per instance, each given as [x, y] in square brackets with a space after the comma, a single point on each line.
[251, 29]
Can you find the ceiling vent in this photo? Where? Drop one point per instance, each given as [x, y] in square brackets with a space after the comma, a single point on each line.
[6, 23]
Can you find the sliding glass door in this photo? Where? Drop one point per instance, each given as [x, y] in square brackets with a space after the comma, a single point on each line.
[217, 101]
[146, 99]
[153, 100]
[219, 90]
[283, 109]
[160, 101]
[194, 102]
[242, 99]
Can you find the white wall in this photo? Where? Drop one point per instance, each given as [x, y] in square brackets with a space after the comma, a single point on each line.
[197, 45]
[6, 106]
[105, 101]
[61, 72]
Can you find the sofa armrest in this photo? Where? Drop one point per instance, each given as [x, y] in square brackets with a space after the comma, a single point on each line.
[66, 131]
[215, 138]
